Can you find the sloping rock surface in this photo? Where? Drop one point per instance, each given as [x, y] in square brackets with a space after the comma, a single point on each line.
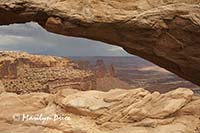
[116, 111]
[165, 32]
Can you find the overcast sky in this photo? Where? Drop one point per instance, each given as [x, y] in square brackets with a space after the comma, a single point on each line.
[32, 38]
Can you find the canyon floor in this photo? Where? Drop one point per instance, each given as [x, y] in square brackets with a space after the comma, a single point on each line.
[136, 72]
[48, 94]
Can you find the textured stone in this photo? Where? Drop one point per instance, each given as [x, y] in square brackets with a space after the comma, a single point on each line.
[21, 72]
[116, 111]
[2, 89]
[100, 69]
[165, 32]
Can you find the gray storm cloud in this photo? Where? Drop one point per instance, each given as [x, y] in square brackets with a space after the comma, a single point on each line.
[32, 38]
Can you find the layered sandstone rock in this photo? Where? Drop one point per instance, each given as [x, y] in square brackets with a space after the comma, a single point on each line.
[105, 74]
[112, 70]
[21, 73]
[165, 32]
[2, 89]
[116, 111]
[100, 69]
[109, 83]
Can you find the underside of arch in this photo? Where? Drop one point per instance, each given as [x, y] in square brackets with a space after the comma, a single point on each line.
[165, 32]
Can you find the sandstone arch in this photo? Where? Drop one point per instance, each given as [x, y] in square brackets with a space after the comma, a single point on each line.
[166, 32]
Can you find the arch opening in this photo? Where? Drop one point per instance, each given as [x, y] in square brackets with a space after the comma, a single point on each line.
[131, 71]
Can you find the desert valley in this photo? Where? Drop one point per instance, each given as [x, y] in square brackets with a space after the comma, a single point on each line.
[133, 72]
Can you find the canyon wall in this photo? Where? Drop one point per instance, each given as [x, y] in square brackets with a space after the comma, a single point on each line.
[165, 32]
[21, 73]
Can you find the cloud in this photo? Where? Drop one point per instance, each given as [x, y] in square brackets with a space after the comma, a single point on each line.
[32, 38]
[11, 39]
[114, 48]
[27, 29]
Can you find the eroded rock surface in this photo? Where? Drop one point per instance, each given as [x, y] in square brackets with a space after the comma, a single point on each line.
[21, 72]
[116, 111]
[106, 77]
[165, 32]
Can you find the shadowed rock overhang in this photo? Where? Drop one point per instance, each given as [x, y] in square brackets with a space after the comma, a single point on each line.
[165, 32]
